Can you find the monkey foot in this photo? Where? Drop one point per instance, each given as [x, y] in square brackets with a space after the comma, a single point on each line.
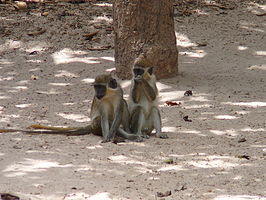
[106, 140]
[139, 139]
[144, 135]
[162, 135]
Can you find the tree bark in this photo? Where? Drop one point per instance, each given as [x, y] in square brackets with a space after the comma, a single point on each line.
[145, 27]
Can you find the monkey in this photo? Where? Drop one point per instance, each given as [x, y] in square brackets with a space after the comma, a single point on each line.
[143, 102]
[109, 110]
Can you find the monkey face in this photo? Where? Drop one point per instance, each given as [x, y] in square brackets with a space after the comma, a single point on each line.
[140, 72]
[112, 84]
[100, 91]
[104, 83]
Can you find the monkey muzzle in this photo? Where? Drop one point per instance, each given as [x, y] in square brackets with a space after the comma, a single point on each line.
[100, 91]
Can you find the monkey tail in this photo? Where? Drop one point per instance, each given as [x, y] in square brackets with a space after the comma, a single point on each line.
[8, 130]
[70, 131]
[52, 130]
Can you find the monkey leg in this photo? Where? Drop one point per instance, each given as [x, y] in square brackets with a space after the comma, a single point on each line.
[96, 128]
[155, 117]
[137, 122]
[125, 117]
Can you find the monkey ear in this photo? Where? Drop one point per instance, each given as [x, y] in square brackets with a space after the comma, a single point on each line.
[113, 83]
[113, 74]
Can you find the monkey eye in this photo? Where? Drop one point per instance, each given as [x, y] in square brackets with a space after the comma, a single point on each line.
[138, 71]
[150, 70]
[112, 84]
[98, 87]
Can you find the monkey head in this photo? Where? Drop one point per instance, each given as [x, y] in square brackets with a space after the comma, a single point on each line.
[104, 84]
[142, 68]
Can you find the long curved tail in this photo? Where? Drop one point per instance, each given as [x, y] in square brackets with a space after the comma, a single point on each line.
[72, 131]
[54, 128]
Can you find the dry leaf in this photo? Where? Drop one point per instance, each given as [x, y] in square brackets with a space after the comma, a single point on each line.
[38, 32]
[172, 103]
[169, 161]
[164, 194]
[34, 77]
[21, 5]
[45, 13]
[89, 36]
[188, 93]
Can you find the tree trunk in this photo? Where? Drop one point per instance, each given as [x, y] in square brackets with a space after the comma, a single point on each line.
[145, 27]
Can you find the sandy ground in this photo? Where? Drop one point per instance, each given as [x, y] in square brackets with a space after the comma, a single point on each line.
[220, 154]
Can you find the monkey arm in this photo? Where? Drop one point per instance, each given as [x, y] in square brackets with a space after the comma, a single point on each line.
[105, 126]
[149, 91]
[117, 119]
[136, 91]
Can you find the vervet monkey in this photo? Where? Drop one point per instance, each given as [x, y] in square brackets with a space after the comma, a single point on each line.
[108, 111]
[143, 105]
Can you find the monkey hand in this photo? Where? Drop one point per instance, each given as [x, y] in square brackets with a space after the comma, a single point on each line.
[138, 79]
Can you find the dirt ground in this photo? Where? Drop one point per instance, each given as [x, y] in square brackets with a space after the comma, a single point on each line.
[217, 137]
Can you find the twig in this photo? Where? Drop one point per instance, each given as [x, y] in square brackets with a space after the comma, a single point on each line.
[99, 48]
[39, 32]
[89, 36]
[216, 5]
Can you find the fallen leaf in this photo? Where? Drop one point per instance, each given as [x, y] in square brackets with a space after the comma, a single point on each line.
[242, 140]
[38, 32]
[5, 196]
[33, 53]
[181, 188]
[45, 14]
[164, 194]
[169, 161]
[188, 93]
[244, 157]
[186, 119]
[172, 103]
[89, 36]
[203, 44]
[34, 77]
[20, 5]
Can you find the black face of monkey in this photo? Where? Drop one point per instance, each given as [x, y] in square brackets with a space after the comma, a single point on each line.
[100, 91]
[138, 71]
[112, 84]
